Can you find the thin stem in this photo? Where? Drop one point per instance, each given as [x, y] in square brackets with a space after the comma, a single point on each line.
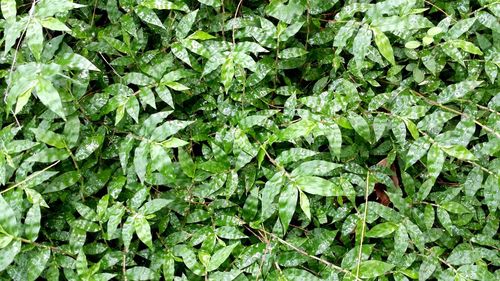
[234, 19]
[14, 57]
[29, 177]
[439, 9]
[431, 102]
[53, 248]
[363, 226]
[302, 252]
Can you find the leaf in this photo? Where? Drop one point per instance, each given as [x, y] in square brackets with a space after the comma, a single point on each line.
[229, 232]
[287, 204]
[315, 168]
[381, 230]
[293, 155]
[49, 137]
[345, 32]
[75, 61]
[466, 46]
[160, 5]
[148, 16]
[187, 164]
[454, 207]
[32, 222]
[63, 181]
[88, 146]
[460, 27]
[140, 273]
[361, 42]
[459, 152]
[34, 38]
[227, 73]
[475, 272]
[141, 160]
[458, 90]
[8, 221]
[154, 206]
[374, 268]
[133, 108]
[384, 45]
[168, 129]
[412, 44]
[292, 53]
[360, 126]
[220, 256]
[305, 205]
[54, 24]
[8, 254]
[49, 96]
[435, 161]
[318, 186]
[185, 24]
[9, 9]
[143, 230]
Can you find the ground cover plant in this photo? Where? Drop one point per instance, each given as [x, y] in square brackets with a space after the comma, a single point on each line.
[249, 140]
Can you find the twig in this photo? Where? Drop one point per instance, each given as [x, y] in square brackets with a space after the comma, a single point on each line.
[234, 19]
[363, 227]
[439, 9]
[53, 248]
[14, 56]
[431, 102]
[30, 177]
[302, 252]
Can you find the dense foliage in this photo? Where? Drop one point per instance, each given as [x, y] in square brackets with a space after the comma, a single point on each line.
[250, 140]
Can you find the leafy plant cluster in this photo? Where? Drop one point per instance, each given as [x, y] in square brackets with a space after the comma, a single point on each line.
[250, 140]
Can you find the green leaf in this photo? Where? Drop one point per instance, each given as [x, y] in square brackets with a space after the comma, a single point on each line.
[287, 204]
[361, 42]
[227, 73]
[475, 272]
[454, 207]
[185, 24]
[140, 273]
[384, 45]
[75, 61]
[32, 222]
[374, 268]
[360, 126]
[315, 168]
[8, 254]
[435, 161]
[49, 137]
[459, 152]
[381, 230]
[220, 256]
[8, 221]
[143, 230]
[292, 53]
[318, 186]
[298, 129]
[34, 38]
[229, 232]
[148, 16]
[412, 44]
[466, 46]
[54, 24]
[9, 9]
[187, 164]
[161, 5]
[63, 181]
[49, 96]
[141, 160]
[305, 205]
